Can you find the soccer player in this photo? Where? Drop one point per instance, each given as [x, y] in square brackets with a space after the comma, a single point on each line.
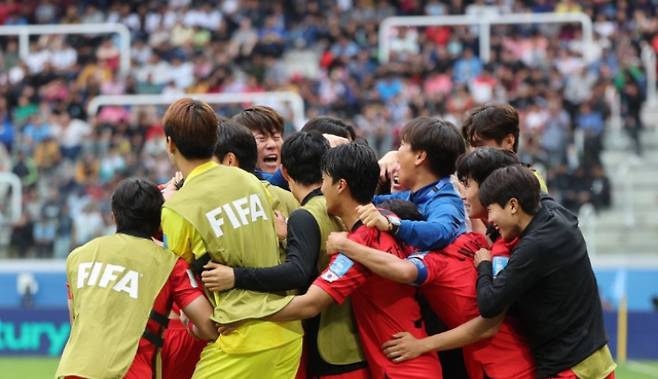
[548, 281]
[216, 214]
[427, 158]
[120, 283]
[331, 343]
[381, 307]
[266, 124]
[495, 125]
[236, 146]
[447, 281]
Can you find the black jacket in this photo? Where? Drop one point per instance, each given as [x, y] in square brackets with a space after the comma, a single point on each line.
[550, 287]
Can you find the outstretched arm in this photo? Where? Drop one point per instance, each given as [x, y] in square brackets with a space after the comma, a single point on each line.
[199, 312]
[314, 301]
[404, 346]
[381, 263]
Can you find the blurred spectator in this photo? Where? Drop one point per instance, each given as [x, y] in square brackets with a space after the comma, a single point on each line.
[326, 51]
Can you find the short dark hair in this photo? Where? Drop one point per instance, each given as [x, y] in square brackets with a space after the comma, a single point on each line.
[440, 139]
[356, 163]
[515, 181]
[480, 163]
[262, 119]
[237, 139]
[192, 126]
[136, 205]
[301, 156]
[406, 210]
[492, 121]
[329, 125]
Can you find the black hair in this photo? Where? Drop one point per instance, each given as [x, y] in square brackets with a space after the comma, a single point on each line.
[491, 121]
[355, 163]
[301, 156]
[515, 181]
[481, 162]
[405, 210]
[235, 138]
[136, 205]
[329, 125]
[440, 139]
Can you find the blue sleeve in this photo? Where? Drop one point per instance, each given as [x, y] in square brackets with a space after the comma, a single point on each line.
[398, 195]
[421, 268]
[445, 221]
[277, 179]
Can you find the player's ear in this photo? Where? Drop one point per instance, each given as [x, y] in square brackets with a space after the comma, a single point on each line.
[342, 186]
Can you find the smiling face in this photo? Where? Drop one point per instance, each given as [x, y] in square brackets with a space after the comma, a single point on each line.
[505, 219]
[269, 151]
[472, 200]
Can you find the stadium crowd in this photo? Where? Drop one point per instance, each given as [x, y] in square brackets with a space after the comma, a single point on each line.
[70, 161]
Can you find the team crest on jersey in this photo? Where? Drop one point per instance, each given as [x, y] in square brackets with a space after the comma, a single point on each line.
[337, 268]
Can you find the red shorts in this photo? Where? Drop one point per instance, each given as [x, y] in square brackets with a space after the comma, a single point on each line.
[180, 352]
[569, 374]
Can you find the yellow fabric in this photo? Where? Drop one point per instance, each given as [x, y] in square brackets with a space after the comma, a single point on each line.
[338, 340]
[178, 233]
[114, 281]
[210, 194]
[542, 183]
[597, 366]
[284, 202]
[281, 363]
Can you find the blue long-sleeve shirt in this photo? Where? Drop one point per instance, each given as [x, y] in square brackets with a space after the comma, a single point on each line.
[443, 210]
[276, 178]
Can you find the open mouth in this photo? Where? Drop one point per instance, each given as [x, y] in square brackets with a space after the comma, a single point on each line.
[271, 159]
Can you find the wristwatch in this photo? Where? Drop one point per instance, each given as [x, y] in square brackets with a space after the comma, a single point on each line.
[393, 224]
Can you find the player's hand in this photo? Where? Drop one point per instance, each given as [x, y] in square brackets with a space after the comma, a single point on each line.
[335, 140]
[336, 242]
[387, 164]
[481, 256]
[281, 225]
[403, 347]
[172, 185]
[224, 329]
[217, 277]
[370, 216]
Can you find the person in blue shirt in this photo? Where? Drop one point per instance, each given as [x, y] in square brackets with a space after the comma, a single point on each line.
[427, 156]
[321, 124]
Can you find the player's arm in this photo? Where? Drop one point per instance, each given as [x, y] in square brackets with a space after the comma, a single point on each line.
[445, 221]
[302, 251]
[524, 269]
[189, 297]
[381, 263]
[314, 301]
[404, 346]
[199, 312]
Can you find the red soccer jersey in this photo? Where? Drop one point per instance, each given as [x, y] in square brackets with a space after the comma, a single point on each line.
[381, 307]
[449, 288]
[181, 289]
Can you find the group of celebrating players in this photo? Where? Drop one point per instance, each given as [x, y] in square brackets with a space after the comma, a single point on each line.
[449, 242]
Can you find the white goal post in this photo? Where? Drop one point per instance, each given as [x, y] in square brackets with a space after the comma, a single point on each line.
[267, 98]
[484, 22]
[25, 31]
